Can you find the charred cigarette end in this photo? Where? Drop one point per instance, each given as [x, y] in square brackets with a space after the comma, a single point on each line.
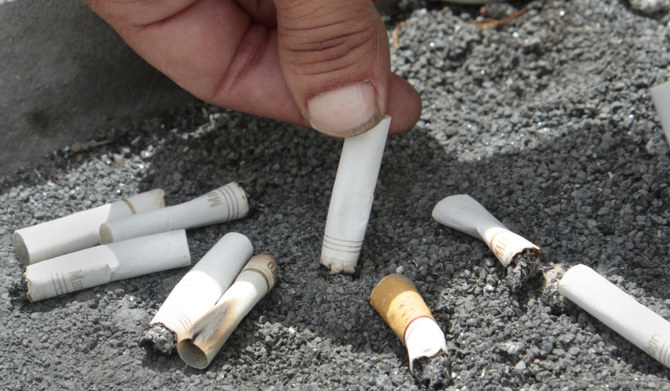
[157, 338]
[223, 204]
[79, 230]
[352, 197]
[397, 301]
[433, 372]
[618, 311]
[203, 340]
[206, 334]
[524, 267]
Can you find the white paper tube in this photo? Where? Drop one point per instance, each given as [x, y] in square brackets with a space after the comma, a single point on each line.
[79, 230]
[351, 200]
[424, 338]
[463, 213]
[618, 310]
[104, 263]
[225, 203]
[206, 337]
[660, 95]
[204, 284]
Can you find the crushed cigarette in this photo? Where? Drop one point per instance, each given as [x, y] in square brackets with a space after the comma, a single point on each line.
[351, 199]
[397, 301]
[197, 292]
[78, 230]
[520, 257]
[105, 263]
[205, 338]
[223, 204]
[618, 311]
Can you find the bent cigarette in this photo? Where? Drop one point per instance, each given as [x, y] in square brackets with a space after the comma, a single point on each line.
[397, 301]
[463, 213]
[351, 200]
[618, 310]
[206, 337]
[78, 230]
[660, 95]
[225, 203]
[105, 263]
[198, 291]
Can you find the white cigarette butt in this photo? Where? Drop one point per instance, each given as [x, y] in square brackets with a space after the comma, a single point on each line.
[225, 203]
[206, 337]
[204, 284]
[351, 199]
[79, 230]
[463, 213]
[105, 263]
[660, 95]
[618, 310]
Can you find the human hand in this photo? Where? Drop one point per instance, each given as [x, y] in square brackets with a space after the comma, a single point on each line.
[318, 63]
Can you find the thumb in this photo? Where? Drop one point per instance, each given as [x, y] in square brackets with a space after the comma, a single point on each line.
[335, 58]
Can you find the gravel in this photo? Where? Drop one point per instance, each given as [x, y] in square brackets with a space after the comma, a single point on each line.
[546, 121]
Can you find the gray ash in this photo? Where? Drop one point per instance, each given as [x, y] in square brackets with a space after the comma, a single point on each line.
[434, 372]
[525, 266]
[159, 339]
[550, 295]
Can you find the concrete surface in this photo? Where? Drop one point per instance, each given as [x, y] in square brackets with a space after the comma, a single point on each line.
[67, 77]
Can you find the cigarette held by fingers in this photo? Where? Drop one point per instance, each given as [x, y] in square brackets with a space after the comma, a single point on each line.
[397, 301]
[79, 230]
[351, 199]
[203, 340]
[197, 292]
[223, 204]
[105, 263]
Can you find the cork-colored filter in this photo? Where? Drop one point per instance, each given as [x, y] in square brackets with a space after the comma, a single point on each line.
[397, 301]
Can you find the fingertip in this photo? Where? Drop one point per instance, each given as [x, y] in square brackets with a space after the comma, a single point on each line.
[404, 105]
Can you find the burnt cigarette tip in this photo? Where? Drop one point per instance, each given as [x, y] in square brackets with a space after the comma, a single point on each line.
[192, 354]
[434, 372]
[159, 339]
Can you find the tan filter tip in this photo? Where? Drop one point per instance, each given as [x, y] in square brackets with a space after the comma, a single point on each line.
[397, 301]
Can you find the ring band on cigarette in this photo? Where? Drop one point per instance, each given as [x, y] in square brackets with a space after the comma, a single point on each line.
[206, 337]
[78, 230]
[397, 301]
[351, 199]
[105, 263]
[228, 202]
[203, 285]
[463, 213]
[618, 310]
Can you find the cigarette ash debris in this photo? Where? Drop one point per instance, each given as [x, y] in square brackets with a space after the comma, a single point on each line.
[523, 268]
[158, 339]
[433, 372]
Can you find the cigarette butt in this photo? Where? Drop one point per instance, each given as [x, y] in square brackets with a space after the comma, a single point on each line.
[397, 301]
[660, 95]
[105, 263]
[206, 337]
[228, 202]
[199, 289]
[351, 199]
[618, 311]
[463, 213]
[78, 230]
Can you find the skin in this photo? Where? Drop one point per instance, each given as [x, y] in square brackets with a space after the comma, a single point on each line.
[268, 58]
